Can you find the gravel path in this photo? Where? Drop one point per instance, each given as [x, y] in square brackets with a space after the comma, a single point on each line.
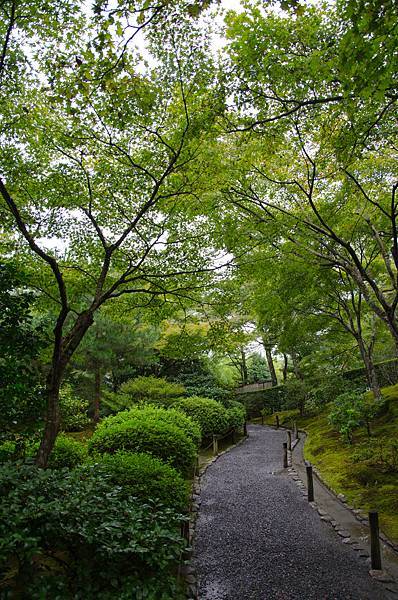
[258, 539]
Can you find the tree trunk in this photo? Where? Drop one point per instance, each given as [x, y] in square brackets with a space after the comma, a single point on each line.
[64, 347]
[296, 366]
[284, 367]
[371, 374]
[270, 363]
[244, 367]
[97, 393]
[52, 419]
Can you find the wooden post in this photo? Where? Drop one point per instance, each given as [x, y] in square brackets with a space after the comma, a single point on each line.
[233, 435]
[262, 419]
[310, 483]
[296, 430]
[285, 465]
[289, 441]
[277, 421]
[245, 429]
[185, 530]
[215, 445]
[375, 554]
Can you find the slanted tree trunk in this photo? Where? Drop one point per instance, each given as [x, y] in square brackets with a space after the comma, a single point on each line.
[97, 393]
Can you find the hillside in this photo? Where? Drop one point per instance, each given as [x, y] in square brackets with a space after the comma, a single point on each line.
[366, 472]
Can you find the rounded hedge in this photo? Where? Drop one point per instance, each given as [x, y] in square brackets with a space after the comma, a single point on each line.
[211, 416]
[162, 440]
[149, 411]
[67, 452]
[146, 477]
[236, 415]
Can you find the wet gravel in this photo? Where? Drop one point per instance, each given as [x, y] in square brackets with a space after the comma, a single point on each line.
[258, 539]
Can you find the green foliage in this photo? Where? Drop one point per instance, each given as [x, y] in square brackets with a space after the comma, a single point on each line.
[73, 534]
[210, 414]
[146, 477]
[145, 389]
[67, 452]
[158, 438]
[257, 369]
[8, 450]
[346, 414]
[382, 453]
[21, 339]
[271, 399]
[204, 385]
[171, 415]
[236, 415]
[297, 394]
[73, 410]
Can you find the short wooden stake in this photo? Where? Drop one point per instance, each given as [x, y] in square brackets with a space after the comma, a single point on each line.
[277, 421]
[245, 429]
[375, 554]
[289, 441]
[296, 430]
[310, 483]
[215, 445]
[262, 419]
[285, 465]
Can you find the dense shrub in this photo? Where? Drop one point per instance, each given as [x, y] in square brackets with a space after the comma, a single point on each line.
[73, 410]
[72, 534]
[67, 452]
[345, 415]
[382, 453]
[158, 438]
[7, 450]
[146, 477]
[158, 413]
[210, 414]
[204, 385]
[150, 389]
[271, 398]
[236, 415]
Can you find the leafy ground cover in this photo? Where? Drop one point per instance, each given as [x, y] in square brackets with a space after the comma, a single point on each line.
[366, 471]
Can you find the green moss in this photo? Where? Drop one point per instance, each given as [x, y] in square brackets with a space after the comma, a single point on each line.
[365, 485]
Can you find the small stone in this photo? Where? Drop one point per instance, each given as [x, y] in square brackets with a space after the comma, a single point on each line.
[381, 576]
[190, 578]
[363, 554]
[343, 533]
[341, 497]
[334, 524]
[326, 518]
[322, 512]
[347, 540]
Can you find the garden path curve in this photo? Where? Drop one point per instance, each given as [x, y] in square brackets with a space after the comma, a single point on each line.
[258, 539]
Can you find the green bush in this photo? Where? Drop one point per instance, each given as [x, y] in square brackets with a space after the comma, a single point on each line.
[158, 413]
[67, 452]
[163, 440]
[73, 534]
[346, 414]
[146, 477]
[7, 450]
[210, 414]
[73, 410]
[236, 415]
[149, 389]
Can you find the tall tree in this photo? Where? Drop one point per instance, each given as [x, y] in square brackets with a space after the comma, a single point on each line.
[102, 164]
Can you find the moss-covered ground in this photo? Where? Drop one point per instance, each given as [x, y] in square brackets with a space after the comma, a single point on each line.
[359, 471]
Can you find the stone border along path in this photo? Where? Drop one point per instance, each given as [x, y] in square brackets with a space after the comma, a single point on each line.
[257, 537]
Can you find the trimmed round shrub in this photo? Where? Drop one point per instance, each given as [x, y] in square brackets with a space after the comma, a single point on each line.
[163, 440]
[67, 452]
[171, 415]
[210, 414]
[146, 477]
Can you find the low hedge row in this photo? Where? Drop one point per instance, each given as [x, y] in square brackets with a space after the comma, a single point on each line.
[148, 411]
